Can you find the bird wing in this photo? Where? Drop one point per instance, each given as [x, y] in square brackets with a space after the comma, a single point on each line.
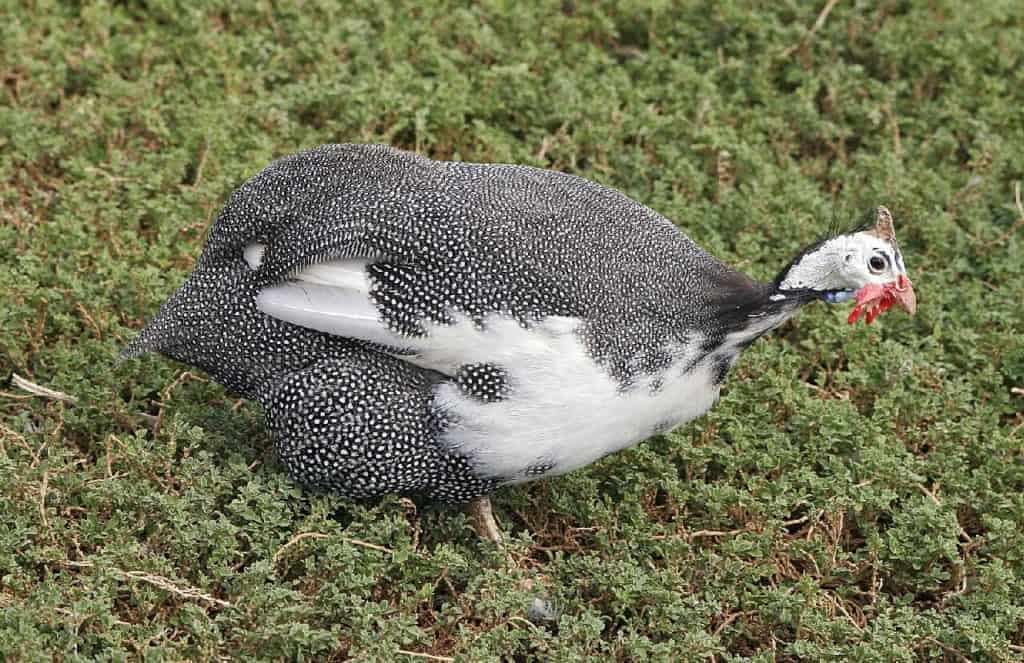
[372, 243]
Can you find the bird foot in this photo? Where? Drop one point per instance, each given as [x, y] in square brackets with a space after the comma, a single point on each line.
[542, 608]
[483, 519]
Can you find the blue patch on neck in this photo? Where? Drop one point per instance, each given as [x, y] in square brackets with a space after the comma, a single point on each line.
[837, 296]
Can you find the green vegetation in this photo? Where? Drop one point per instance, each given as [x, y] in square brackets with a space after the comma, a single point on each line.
[858, 493]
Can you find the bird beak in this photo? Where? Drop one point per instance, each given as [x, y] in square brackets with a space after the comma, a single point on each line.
[904, 294]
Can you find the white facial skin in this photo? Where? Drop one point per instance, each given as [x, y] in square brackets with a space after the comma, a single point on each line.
[847, 262]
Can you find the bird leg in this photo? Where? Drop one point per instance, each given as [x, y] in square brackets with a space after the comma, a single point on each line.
[483, 519]
[542, 608]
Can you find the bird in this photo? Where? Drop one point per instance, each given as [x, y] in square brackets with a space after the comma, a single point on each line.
[443, 329]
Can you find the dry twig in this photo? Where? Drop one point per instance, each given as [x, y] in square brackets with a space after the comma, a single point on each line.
[40, 390]
[365, 544]
[818, 23]
[320, 535]
[190, 593]
[963, 533]
[35, 389]
[729, 619]
[431, 657]
[165, 395]
[90, 321]
[1020, 217]
[43, 485]
[295, 539]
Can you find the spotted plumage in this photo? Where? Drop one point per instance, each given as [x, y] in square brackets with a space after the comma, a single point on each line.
[444, 328]
[364, 425]
[486, 383]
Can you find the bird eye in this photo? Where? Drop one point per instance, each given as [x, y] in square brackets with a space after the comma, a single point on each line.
[877, 264]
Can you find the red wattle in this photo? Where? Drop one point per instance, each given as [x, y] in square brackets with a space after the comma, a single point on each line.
[874, 299]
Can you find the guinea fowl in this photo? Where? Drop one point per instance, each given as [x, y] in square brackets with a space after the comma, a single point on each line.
[442, 328]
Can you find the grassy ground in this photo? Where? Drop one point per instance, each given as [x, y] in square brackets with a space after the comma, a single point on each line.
[859, 492]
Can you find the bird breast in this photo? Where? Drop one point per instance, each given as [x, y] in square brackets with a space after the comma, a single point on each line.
[561, 409]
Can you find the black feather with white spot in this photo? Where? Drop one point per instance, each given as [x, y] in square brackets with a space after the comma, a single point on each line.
[486, 383]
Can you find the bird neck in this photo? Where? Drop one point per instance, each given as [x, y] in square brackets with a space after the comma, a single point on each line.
[744, 314]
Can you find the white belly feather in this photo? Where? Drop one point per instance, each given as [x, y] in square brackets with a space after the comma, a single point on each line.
[564, 411]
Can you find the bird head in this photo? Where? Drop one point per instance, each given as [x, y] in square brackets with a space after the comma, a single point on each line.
[865, 265]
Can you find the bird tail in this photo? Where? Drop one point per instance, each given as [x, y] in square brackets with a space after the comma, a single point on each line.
[211, 322]
[164, 332]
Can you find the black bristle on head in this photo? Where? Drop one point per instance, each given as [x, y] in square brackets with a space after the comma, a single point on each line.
[843, 222]
[851, 218]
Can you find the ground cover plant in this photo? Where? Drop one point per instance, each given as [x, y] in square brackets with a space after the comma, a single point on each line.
[858, 492]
